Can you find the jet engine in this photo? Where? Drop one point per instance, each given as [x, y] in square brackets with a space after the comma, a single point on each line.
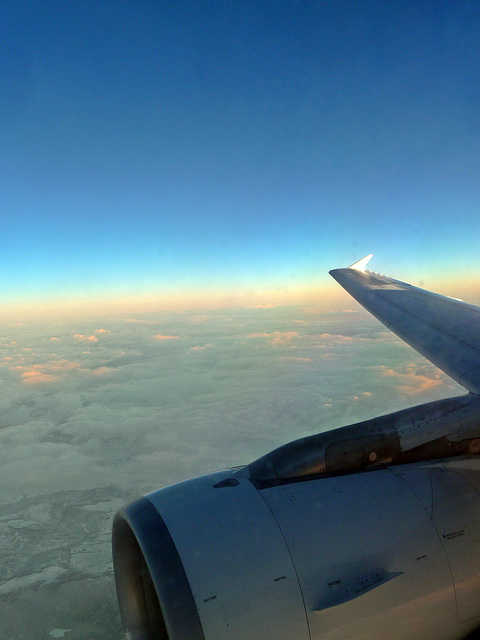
[372, 530]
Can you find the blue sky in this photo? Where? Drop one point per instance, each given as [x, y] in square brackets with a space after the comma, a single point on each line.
[174, 147]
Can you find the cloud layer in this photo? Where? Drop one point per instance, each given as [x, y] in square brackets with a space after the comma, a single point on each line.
[95, 413]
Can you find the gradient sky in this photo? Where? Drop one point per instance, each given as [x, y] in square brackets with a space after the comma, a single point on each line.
[155, 148]
[208, 154]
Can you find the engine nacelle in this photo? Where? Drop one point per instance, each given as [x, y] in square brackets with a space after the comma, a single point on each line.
[385, 553]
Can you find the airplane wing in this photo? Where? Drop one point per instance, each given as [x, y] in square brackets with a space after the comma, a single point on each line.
[444, 330]
[391, 502]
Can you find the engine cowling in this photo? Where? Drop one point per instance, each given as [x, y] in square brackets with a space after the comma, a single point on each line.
[386, 553]
[197, 538]
[318, 539]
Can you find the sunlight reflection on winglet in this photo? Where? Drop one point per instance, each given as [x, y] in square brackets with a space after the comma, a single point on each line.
[361, 264]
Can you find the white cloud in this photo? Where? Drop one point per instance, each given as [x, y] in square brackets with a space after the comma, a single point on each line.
[415, 379]
[276, 337]
[141, 321]
[34, 377]
[101, 371]
[200, 347]
[337, 338]
[79, 336]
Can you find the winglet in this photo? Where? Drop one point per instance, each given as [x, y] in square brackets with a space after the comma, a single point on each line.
[361, 264]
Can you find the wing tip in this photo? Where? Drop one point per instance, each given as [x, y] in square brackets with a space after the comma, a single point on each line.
[361, 264]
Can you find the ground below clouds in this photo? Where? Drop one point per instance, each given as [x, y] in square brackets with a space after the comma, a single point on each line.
[56, 565]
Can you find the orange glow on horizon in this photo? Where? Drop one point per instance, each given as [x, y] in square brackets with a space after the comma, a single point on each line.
[175, 301]
[324, 296]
